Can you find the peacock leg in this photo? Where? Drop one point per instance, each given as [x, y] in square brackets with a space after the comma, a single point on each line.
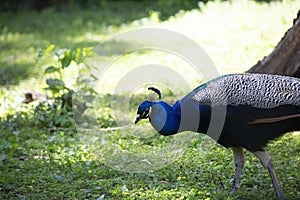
[238, 159]
[266, 161]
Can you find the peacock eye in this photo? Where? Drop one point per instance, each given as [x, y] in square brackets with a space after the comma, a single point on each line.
[146, 112]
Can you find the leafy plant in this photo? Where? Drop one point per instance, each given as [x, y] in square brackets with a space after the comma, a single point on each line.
[59, 110]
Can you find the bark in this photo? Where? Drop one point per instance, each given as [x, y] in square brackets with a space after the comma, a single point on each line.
[285, 58]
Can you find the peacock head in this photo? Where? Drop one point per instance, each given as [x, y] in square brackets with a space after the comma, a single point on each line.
[144, 108]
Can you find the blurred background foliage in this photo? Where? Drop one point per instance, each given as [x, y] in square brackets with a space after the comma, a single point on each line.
[39, 5]
[66, 5]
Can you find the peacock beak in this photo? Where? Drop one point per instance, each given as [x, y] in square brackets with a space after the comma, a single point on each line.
[138, 118]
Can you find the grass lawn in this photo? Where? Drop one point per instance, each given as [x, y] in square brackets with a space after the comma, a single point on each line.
[38, 161]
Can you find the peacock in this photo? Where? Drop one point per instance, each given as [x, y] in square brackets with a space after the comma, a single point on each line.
[237, 110]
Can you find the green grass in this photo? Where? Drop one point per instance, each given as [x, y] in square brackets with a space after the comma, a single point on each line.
[38, 162]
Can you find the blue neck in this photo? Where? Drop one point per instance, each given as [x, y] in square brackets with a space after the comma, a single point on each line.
[169, 120]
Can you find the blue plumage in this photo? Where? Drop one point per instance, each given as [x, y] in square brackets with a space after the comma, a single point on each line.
[253, 108]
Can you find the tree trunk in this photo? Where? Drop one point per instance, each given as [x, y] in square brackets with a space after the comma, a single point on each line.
[285, 58]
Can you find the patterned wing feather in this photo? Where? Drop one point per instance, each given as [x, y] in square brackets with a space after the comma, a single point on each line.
[257, 90]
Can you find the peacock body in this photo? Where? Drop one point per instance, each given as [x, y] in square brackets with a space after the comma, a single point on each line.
[252, 108]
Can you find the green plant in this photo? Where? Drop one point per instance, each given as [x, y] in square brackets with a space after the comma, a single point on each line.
[59, 110]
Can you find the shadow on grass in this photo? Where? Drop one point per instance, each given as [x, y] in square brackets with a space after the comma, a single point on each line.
[13, 74]
[59, 25]
[70, 27]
